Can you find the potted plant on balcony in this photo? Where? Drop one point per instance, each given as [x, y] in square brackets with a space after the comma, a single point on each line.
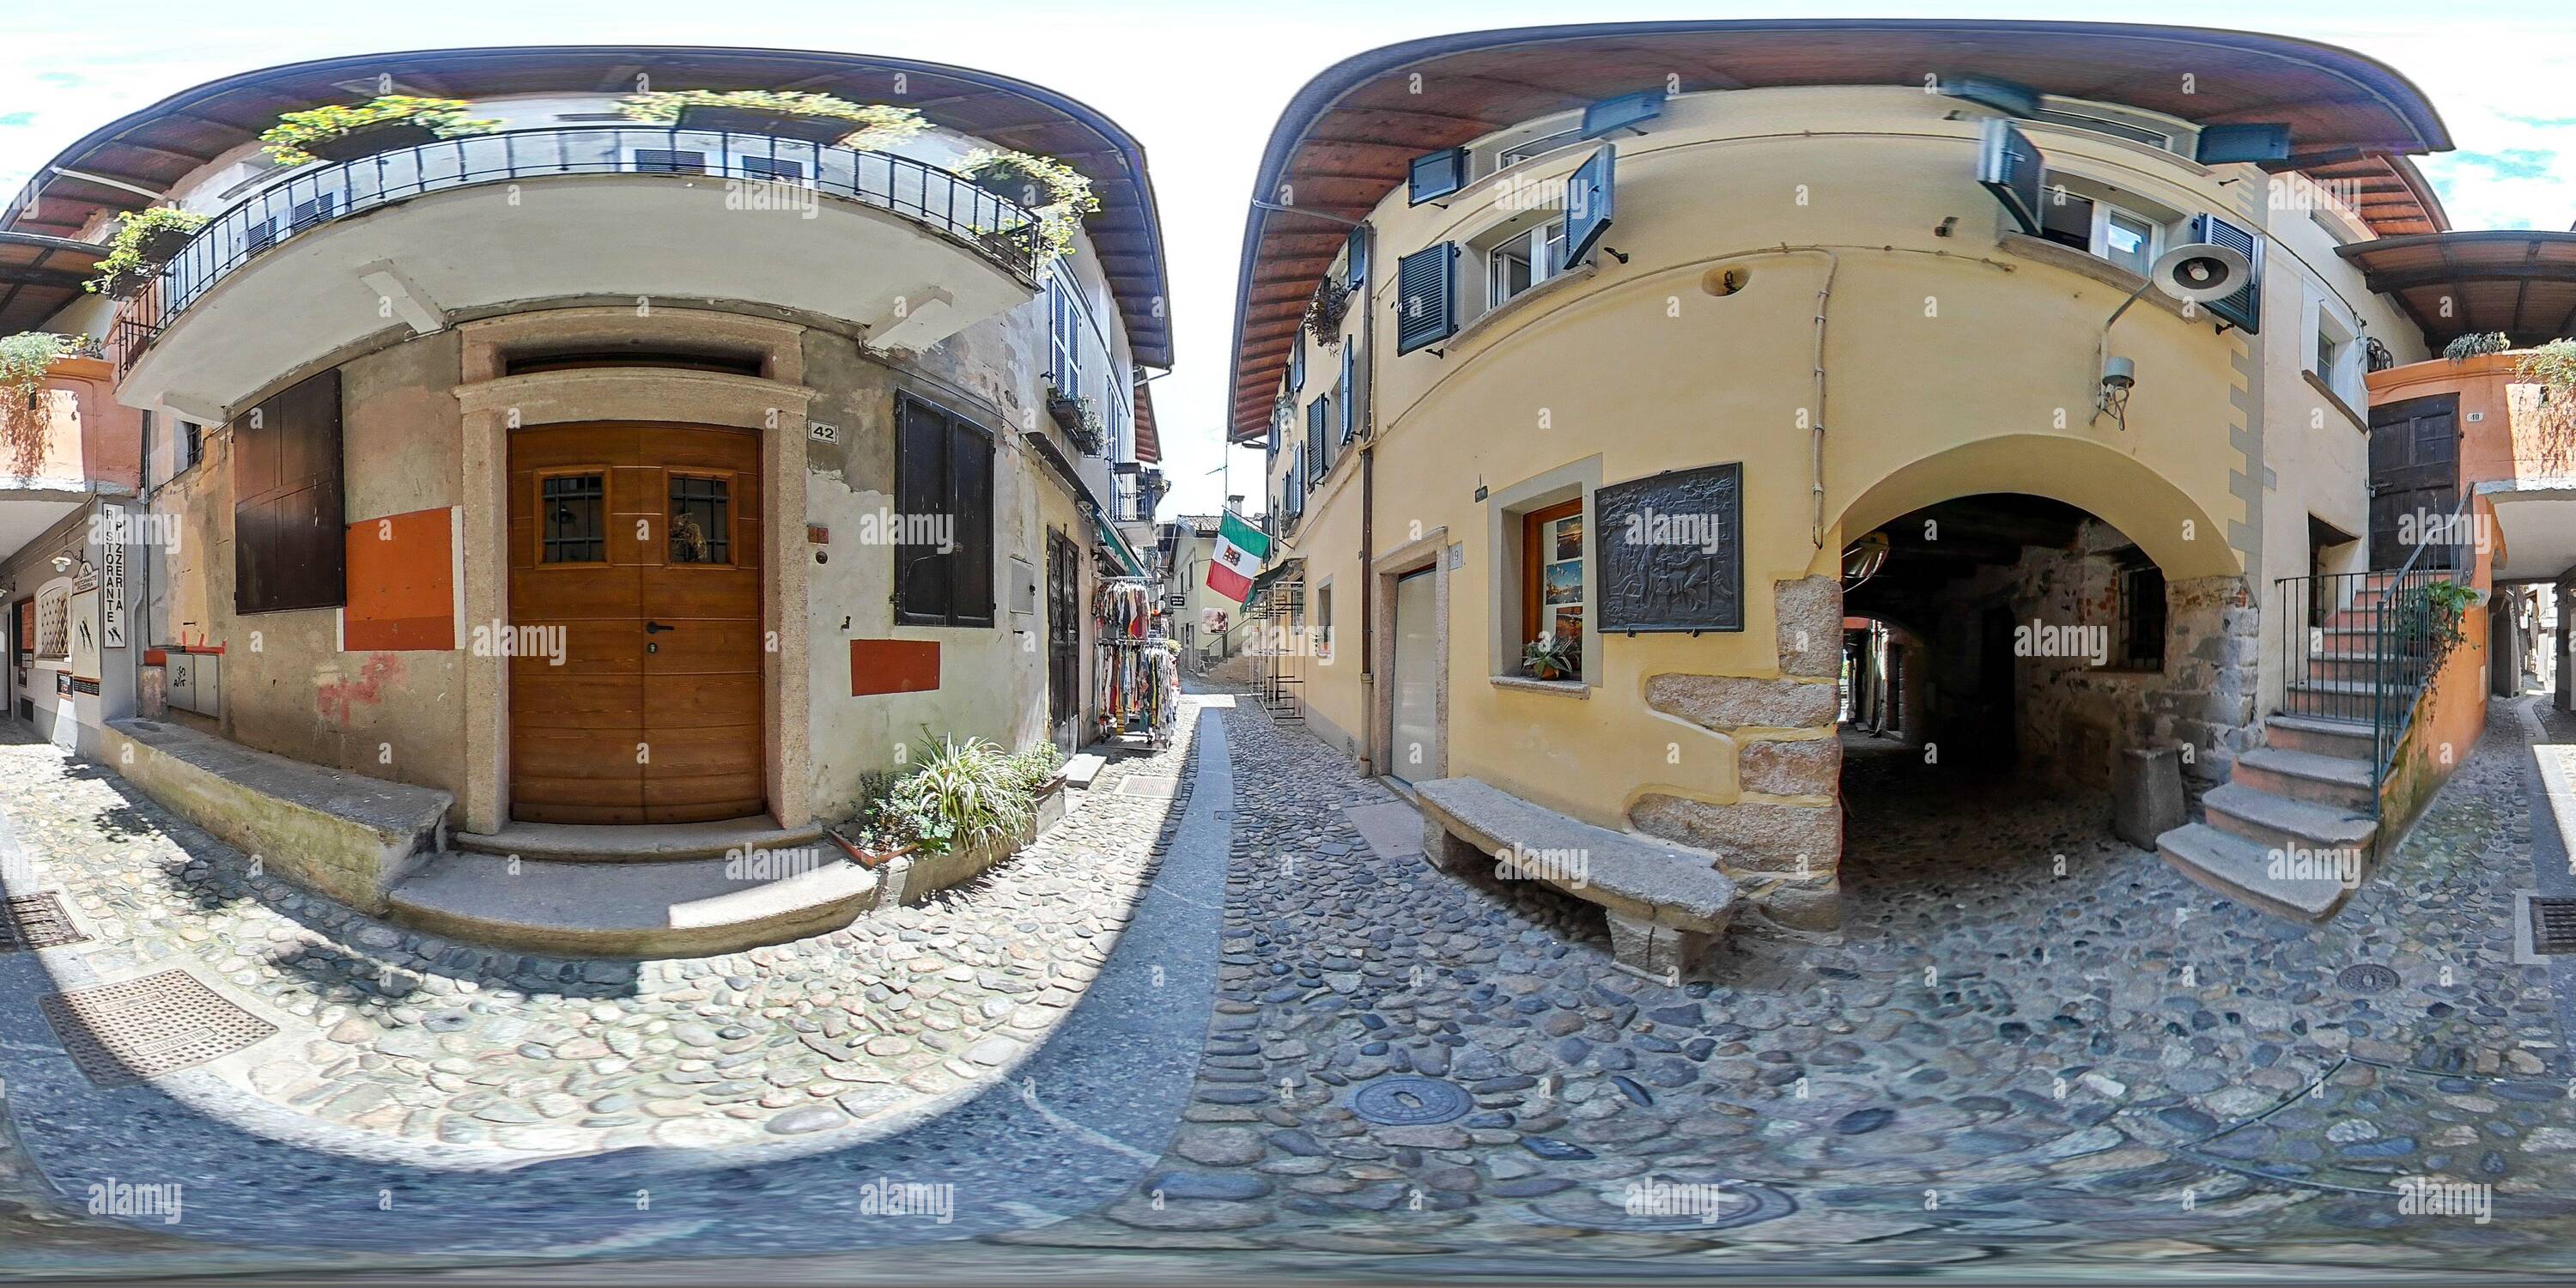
[1547, 657]
[334, 132]
[146, 240]
[787, 114]
[1324, 313]
[1055, 192]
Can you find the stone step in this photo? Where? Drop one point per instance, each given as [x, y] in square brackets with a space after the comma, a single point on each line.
[2242, 871]
[2306, 776]
[1082, 769]
[2355, 667]
[2342, 738]
[2348, 688]
[654, 843]
[692, 908]
[2277, 822]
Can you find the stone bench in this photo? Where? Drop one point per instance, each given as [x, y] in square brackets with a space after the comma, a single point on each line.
[1664, 904]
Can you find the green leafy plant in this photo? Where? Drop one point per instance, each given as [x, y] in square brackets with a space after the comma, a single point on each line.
[1325, 312]
[2553, 367]
[1056, 193]
[24, 360]
[144, 241]
[872, 125]
[2476, 344]
[444, 117]
[1548, 657]
[965, 794]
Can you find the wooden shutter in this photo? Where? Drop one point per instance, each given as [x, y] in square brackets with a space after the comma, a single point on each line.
[1318, 447]
[1435, 175]
[921, 575]
[1297, 361]
[2244, 308]
[1426, 287]
[1357, 257]
[2226, 144]
[1346, 401]
[970, 478]
[290, 547]
[1589, 193]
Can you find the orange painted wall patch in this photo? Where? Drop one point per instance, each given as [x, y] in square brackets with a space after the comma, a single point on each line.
[402, 583]
[893, 666]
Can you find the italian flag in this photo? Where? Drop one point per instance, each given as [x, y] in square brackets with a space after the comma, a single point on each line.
[1240, 549]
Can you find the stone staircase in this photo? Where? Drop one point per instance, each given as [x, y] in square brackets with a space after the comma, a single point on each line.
[2294, 829]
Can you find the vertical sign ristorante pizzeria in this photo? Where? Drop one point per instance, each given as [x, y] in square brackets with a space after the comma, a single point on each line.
[1672, 551]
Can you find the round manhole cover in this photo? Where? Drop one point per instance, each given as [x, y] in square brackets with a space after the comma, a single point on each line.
[1665, 1203]
[1410, 1101]
[2366, 978]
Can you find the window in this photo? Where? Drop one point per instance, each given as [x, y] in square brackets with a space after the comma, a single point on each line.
[1324, 621]
[701, 522]
[1064, 327]
[943, 470]
[572, 522]
[1319, 459]
[668, 160]
[2099, 228]
[53, 623]
[192, 444]
[1523, 260]
[772, 169]
[1524, 150]
[2138, 628]
[1552, 574]
[290, 549]
[2333, 361]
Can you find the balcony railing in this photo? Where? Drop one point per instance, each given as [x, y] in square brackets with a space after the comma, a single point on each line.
[948, 203]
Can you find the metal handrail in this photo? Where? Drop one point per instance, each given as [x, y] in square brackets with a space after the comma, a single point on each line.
[2327, 678]
[949, 203]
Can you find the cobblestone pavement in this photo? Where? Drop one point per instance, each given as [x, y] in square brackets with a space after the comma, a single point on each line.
[2004, 1056]
[2033, 1047]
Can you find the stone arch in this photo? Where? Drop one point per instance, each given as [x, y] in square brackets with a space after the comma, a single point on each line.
[2115, 487]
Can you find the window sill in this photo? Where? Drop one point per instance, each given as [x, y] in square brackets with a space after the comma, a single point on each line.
[2087, 264]
[1485, 320]
[2335, 400]
[1561, 688]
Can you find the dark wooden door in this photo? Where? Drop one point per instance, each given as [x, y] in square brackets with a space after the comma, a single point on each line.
[2414, 479]
[1064, 629]
[635, 553]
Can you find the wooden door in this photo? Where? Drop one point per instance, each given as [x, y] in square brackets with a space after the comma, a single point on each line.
[1415, 711]
[1064, 630]
[635, 557]
[2414, 479]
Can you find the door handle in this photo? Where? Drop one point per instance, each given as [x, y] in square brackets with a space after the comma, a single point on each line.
[656, 628]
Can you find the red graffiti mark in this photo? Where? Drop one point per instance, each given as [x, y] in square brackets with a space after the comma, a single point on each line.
[339, 697]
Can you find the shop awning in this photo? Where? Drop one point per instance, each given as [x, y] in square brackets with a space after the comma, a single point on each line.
[1272, 576]
[1117, 544]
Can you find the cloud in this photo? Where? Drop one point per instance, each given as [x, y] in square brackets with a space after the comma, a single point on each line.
[17, 118]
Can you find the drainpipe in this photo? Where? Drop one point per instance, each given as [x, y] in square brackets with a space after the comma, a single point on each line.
[1367, 374]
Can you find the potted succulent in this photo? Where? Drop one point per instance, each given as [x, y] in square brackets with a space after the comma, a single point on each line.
[788, 114]
[1056, 193]
[1547, 657]
[146, 240]
[389, 121]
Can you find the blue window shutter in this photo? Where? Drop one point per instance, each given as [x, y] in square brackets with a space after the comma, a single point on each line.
[1426, 288]
[1437, 174]
[2223, 144]
[1589, 193]
[1621, 112]
[2002, 95]
[1317, 446]
[2013, 169]
[1358, 258]
[2245, 308]
[1297, 361]
[1349, 390]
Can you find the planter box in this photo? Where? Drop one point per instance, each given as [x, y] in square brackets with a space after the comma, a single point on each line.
[1066, 412]
[1051, 805]
[1020, 190]
[161, 245]
[368, 140]
[752, 120]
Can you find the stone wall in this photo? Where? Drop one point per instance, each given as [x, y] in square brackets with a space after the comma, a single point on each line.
[1781, 836]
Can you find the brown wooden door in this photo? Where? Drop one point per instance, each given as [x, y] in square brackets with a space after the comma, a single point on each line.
[2414, 479]
[635, 552]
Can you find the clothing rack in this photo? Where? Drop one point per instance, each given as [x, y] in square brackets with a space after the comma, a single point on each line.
[1138, 684]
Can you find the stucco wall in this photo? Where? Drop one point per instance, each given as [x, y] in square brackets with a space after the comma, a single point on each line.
[1957, 364]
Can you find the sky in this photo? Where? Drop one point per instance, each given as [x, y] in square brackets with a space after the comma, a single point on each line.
[1201, 85]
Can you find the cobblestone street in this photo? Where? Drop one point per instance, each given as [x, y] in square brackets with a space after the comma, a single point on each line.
[2031, 1042]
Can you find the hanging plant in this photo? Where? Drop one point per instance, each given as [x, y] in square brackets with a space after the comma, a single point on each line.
[145, 241]
[817, 118]
[2476, 344]
[341, 133]
[1056, 193]
[1324, 312]
[24, 360]
[2553, 367]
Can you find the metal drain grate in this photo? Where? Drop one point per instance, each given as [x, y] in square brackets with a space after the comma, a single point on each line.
[2365, 978]
[31, 921]
[1149, 785]
[1410, 1100]
[142, 1028]
[2553, 926]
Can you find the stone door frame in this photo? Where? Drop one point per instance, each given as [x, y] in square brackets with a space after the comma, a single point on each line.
[1429, 551]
